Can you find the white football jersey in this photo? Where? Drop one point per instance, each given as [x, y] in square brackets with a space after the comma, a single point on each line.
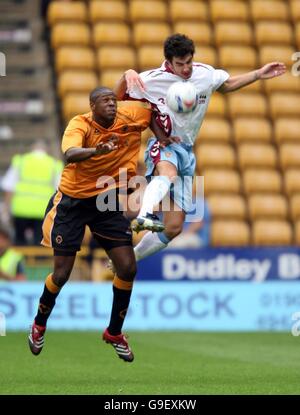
[184, 125]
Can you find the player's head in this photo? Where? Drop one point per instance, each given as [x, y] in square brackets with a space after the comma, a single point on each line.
[179, 51]
[103, 104]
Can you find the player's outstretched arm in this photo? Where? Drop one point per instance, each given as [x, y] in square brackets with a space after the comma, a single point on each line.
[268, 71]
[128, 81]
[76, 154]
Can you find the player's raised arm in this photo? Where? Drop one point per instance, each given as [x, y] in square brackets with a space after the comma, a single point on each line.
[129, 80]
[268, 71]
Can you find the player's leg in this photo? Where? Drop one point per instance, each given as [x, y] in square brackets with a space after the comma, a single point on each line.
[163, 164]
[154, 242]
[174, 215]
[54, 282]
[112, 231]
[63, 230]
[125, 266]
[164, 174]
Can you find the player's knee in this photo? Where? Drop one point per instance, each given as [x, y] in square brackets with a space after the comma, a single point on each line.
[61, 273]
[61, 277]
[172, 231]
[127, 272]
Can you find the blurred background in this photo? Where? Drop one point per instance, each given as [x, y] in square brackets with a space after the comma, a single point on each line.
[244, 255]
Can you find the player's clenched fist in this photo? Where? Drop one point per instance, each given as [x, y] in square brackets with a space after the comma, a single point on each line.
[104, 148]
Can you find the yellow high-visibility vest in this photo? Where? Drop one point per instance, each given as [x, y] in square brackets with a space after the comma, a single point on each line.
[37, 179]
[9, 262]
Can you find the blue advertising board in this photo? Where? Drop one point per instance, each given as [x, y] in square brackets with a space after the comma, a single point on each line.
[222, 264]
[223, 306]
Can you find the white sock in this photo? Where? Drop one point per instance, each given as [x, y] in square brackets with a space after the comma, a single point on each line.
[155, 191]
[149, 244]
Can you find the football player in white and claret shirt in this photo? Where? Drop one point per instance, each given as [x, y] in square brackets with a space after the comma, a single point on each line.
[170, 156]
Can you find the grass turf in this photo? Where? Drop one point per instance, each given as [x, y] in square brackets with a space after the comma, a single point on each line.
[165, 363]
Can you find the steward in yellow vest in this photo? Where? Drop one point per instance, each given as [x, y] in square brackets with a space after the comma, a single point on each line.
[29, 183]
[37, 173]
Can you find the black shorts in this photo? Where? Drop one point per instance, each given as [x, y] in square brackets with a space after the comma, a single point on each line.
[66, 218]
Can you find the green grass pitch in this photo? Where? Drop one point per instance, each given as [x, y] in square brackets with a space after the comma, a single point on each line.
[165, 363]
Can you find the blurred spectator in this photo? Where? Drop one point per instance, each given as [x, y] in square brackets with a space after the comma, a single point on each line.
[11, 266]
[195, 234]
[28, 185]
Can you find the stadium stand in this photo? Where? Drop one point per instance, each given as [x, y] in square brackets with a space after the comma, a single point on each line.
[227, 206]
[109, 77]
[251, 104]
[269, 10]
[145, 10]
[64, 12]
[295, 10]
[262, 180]
[200, 32]
[74, 58]
[279, 33]
[80, 81]
[217, 106]
[295, 207]
[252, 129]
[215, 155]
[234, 10]
[188, 10]
[233, 33]
[248, 144]
[111, 34]
[268, 53]
[297, 233]
[292, 181]
[221, 181]
[150, 33]
[215, 130]
[237, 56]
[149, 56]
[106, 10]
[115, 57]
[207, 54]
[267, 206]
[286, 130]
[76, 34]
[230, 233]
[252, 155]
[286, 83]
[27, 98]
[271, 232]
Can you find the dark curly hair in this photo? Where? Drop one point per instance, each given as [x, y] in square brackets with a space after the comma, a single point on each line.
[178, 45]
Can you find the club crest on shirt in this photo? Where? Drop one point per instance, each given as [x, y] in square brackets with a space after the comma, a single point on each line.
[201, 99]
[59, 239]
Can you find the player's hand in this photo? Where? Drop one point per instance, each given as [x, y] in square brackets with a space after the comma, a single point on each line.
[169, 140]
[133, 80]
[271, 70]
[105, 148]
